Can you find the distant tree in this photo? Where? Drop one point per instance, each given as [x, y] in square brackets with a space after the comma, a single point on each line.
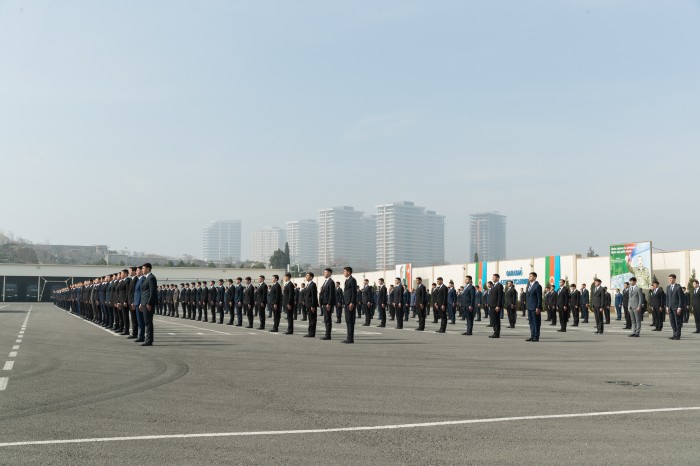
[286, 255]
[211, 265]
[691, 286]
[170, 264]
[278, 260]
[122, 263]
[591, 252]
[476, 257]
[181, 263]
[228, 265]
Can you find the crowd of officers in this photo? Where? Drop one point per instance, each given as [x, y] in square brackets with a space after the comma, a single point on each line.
[124, 303]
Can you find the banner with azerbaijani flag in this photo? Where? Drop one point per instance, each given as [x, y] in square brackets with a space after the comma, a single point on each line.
[552, 270]
[481, 277]
[405, 273]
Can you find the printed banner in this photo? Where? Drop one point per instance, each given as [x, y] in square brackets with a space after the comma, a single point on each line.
[630, 260]
[405, 273]
[481, 273]
[552, 270]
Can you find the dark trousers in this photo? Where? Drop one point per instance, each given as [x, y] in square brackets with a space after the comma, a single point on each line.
[421, 317]
[338, 312]
[382, 316]
[660, 315]
[686, 314]
[655, 317]
[575, 311]
[368, 315]
[477, 314]
[239, 313]
[290, 320]
[261, 315]
[350, 323]
[512, 316]
[176, 308]
[249, 313]
[148, 325]
[142, 325]
[599, 319]
[535, 323]
[443, 318]
[399, 316]
[584, 312]
[563, 318]
[628, 318]
[676, 322]
[436, 314]
[553, 312]
[469, 315]
[496, 320]
[125, 318]
[220, 308]
[607, 314]
[276, 316]
[696, 316]
[328, 321]
[312, 323]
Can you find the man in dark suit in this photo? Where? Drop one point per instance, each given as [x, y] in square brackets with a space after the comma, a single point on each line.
[657, 301]
[297, 300]
[301, 302]
[674, 306]
[478, 297]
[229, 297]
[212, 297]
[534, 306]
[496, 297]
[575, 303]
[511, 303]
[608, 303]
[563, 305]
[288, 303]
[468, 303]
[421, 303]
[626, 305]
[368, 302]
[261, 300]
[451, 302]
[550, 300]
[397, 299]
[440, 304]
[238, 301]
[249, 300]
[220, 301]
[350, 300]
[585, 300]
[130, 304]
[310, 296]
[275, 296]
[695, 304]
[327, 301]
[382, 302]
[338, 302]
[136, 305]
[598, 305]
[149, 300]
[205, 300]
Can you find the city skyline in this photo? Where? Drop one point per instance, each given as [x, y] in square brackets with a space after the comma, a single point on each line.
[267, 111]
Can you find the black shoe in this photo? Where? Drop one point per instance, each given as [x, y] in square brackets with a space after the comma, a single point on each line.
[381, 326]
[636, 335]
[632, 335]
[671, 338]
[348, 342]
[303, 319]
[535, 339]
[326, 338]
[530, 339]
[419, 329]
[465, 333]
[697, 331]
[337, 322]
[364, 325]
[561, 330]
[274, 330]
[147, 344]
[130, 337]
[494, 336]
[289, 333]
[439, 331]
[597, 333]
[307, 336]
[229, 323]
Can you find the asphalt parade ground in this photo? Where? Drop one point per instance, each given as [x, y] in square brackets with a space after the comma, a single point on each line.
[74, 393]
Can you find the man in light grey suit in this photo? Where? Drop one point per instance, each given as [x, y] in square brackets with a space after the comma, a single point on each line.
[634, 306]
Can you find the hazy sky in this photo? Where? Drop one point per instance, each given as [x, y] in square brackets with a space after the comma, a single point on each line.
[136, 123]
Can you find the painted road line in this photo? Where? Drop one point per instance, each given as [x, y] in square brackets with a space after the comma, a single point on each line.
[3, 383]
[8, 365]
[192, 326]
[13, 354]
[350, 429]
[16, 347]
[91, 323]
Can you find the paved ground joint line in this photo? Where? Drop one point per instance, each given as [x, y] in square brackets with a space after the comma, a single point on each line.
[350, 429]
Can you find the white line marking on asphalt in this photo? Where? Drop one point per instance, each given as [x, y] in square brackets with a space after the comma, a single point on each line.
[3, 307]
[3, 383]
[19, 340]
[15, 347]
[13, 354]
[8, 365]
[349, 429]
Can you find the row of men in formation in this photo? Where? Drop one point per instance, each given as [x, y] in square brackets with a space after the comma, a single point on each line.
[110, 301]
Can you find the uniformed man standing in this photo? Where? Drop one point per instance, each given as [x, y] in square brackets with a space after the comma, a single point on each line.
[511, 303]
[275, 302]
[368, 302]
[440, 304]
[261, 300]
[397, 300]
[468, 303]
[575, 303]
[598, 305]
[421, 303]
[496, 298]
[338, 302]
[350, 300]
[563, 305]
[674, 306]
[657, 300]
[310, 304]
[381, 303]
[327, 302]
[249, 300]
[288, 303]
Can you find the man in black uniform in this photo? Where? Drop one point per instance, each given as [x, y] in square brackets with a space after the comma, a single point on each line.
[608, 302]
[350, 300]
[261, 300]
[397, 299]
[598, 305]
[212, 296]
[421, 303]
[327, 301]
[695, 304]
[575, 303]
[230, 298]
[551, 300]
[440, 304]
[496, 298]
[563, 305]
[275, 302]
[368, 302]
[674, 306]
[511, 303]
[249, 300]
[381, 303]
[625, 306]
[657, 300]
[310, 296]
[468, 302]
[220, 300]
[288, 304]
[130, 305]
[338, 302]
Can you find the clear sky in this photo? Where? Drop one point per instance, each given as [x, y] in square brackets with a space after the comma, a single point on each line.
[136, 123]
